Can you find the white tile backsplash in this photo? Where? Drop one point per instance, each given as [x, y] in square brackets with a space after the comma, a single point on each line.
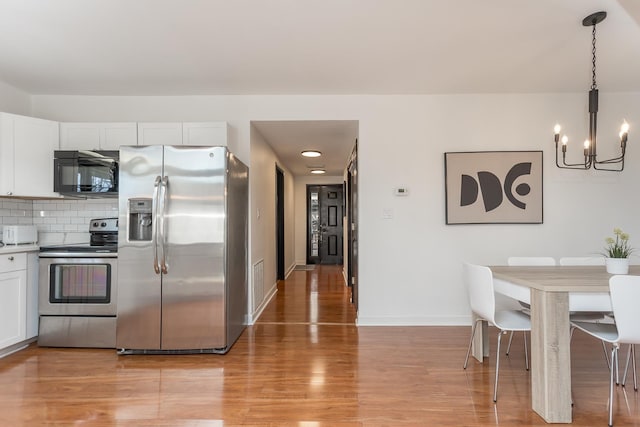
[58, 221]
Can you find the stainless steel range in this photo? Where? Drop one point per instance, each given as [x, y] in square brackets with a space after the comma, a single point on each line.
[78, 290]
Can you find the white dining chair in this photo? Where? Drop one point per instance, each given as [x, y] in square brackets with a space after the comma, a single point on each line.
[482, 298]
[582, 260]
[591, 307]
[625, 293]
[531, 260]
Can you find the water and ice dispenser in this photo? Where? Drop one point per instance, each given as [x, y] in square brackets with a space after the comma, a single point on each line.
[140, 219]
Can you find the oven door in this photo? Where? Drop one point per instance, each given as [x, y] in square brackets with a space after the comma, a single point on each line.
[78, 286]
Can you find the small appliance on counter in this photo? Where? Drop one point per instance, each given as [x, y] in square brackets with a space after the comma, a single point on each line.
[19, 234]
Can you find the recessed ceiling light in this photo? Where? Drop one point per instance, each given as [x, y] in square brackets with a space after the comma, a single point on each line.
[311, 153]
[318, 171]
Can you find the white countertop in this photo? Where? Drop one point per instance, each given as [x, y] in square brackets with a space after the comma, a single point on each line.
[12, 249]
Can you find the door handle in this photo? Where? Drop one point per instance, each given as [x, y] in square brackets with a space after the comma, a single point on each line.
[163, 234]
[154, 228]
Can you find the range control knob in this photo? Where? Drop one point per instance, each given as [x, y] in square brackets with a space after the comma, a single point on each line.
[95, 224]
[104, 224]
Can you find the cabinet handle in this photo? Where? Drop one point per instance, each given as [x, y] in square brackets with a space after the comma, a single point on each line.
[9, 193]
[10, 258]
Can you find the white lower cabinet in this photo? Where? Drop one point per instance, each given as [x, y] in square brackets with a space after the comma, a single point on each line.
[13, 298]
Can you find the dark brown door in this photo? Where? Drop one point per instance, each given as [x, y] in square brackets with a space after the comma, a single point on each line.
[279, 224]
[352, 226]
[325, 207]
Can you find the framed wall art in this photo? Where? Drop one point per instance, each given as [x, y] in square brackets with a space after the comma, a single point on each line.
[493, 187]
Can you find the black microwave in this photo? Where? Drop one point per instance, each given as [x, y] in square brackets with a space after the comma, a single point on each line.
[86, 173]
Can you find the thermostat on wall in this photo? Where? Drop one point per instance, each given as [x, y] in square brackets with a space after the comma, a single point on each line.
[401, 191]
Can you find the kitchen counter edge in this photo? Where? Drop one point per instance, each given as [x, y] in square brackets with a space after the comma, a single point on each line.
[14, 249]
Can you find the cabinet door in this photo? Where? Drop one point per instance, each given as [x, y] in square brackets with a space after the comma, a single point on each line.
[159, 133]
[79, 136]
[6, 154]
[30, 143]
[97, 136]
[115, 135]
[204, 133]
[35, 140]
[12, 307]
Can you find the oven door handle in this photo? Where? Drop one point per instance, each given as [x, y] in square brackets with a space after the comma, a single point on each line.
[154, 228]
[163, 225]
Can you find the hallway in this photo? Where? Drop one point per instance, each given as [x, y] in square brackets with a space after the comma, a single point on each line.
[303, 364]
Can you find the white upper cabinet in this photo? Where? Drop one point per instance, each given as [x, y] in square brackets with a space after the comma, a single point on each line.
[188, 133]
[204, 133]
[97, 136]
[26, 156]
[159, 133]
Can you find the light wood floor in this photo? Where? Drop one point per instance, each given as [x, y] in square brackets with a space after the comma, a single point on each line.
[303, 364]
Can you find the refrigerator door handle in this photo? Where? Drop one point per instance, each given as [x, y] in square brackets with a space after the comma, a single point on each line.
[163, 226]
[154, 228]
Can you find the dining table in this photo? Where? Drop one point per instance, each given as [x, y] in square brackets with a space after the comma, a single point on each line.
[548, 289]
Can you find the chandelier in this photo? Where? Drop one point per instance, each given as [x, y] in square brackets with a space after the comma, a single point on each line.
[615, 164]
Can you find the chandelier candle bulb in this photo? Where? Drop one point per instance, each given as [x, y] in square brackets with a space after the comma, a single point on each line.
[565, 139]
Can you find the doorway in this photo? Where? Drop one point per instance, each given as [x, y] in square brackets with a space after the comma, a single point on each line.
[325, 210]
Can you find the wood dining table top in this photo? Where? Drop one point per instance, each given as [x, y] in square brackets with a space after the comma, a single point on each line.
[584, 278]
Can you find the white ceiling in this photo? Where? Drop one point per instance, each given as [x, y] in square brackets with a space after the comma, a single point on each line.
[209, 47]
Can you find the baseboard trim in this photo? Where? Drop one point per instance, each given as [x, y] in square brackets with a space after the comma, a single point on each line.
[253, 318]
[414, 321]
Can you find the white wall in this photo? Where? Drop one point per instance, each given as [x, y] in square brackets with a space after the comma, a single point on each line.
[262, 219]
[13, 100]
[409, 271]
[301, 183]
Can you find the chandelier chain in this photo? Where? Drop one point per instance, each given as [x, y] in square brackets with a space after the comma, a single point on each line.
[593, 60]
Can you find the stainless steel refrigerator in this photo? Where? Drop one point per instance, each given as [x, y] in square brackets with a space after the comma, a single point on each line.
[182, 249]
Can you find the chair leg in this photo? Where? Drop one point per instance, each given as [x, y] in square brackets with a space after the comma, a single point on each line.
[633, 362]
[632, 353]
[495, 387]
[509, 345]
[473, 333]
[606, 354]
[526, 352]
[614, 357]
[626, 366]
[631, 357]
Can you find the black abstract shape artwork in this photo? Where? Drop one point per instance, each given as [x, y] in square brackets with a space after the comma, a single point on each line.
[468, 191]
[492, 189]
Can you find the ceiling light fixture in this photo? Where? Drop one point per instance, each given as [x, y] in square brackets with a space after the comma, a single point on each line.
[311, 153]
[318, 171]
[590, 159]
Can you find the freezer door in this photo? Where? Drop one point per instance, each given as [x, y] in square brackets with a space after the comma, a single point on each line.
[139, 287]
[193, 298]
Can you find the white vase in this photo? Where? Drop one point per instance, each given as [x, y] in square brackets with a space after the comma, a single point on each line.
[617, 265]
